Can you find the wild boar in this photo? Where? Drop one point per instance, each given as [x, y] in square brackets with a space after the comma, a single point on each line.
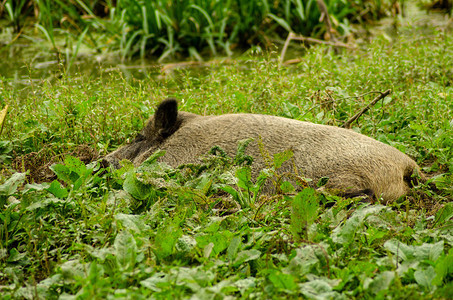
[354, 163]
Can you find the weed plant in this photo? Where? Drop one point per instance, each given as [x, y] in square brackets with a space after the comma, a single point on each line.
[76, 231]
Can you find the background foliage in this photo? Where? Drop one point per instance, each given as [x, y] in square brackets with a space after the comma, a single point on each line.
[184, 27]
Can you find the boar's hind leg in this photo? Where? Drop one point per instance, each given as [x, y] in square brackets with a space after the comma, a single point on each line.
[368, 195]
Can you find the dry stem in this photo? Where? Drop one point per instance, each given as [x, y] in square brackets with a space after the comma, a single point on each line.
[348, 123]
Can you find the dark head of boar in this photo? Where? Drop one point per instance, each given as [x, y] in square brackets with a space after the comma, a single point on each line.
[354, 163]
[159, 127]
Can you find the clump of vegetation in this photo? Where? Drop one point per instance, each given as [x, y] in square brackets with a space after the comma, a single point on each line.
[70, 229]
[181, 28]
[205, 230]
[436, 5]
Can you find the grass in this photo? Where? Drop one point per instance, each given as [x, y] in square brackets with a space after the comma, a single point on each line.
[73, 231]
[186, 28]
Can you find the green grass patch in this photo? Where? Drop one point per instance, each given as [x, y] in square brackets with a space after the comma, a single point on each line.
[75, 231]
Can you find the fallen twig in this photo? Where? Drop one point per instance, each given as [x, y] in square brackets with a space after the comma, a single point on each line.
[324, 17]
[348, 123]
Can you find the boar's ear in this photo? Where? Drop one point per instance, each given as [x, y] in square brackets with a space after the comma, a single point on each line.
[165, 117]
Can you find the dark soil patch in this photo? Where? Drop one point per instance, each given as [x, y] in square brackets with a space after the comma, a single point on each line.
[38, 163]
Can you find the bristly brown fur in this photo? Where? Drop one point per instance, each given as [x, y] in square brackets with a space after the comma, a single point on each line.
[353, 162]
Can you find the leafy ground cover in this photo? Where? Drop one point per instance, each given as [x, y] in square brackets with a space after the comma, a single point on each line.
[76, 231]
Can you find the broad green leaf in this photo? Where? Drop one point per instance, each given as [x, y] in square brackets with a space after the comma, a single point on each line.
[194, 278]
[132, 222]
[248, 283]
[245, 256]
[290, 110]
[63, 173]
[57, 190]
[125, 250]
[244, 176]
[136, 188]
[75, 165]
[3, 254]
[429, 251]
[319, 289]
[374, 233]
[425, 276]
[203, 183]
[10, 186]
[423, 252]
[399, 249]
[445, 214]
[234, 247]
[261, 179]
[155, 282]
[44, 202]
[207, 250]
[304, 211]
[45, 285]
[166, 239]
[322, 181]
[6, 149]
[213, 225]
[381, 282]
[443, 268]
[15, 256]
[101, 254]
[36, 187]
[345, 234]
[220, 240]
[304, 260]
[230, 190]
[74, 269]
[2, 117]
[95, 274]
[282, 281]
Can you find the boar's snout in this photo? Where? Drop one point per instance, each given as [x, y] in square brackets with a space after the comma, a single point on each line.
[159, 127]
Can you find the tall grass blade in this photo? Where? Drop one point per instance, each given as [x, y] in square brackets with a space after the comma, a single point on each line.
[47, 34]
[281, 22]
[76, 50]
[300, 9]
[205, 14]
[145, 21]
[9, 10]
[126, 50]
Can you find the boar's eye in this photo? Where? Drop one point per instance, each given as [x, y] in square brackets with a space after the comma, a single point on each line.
[140, 137]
